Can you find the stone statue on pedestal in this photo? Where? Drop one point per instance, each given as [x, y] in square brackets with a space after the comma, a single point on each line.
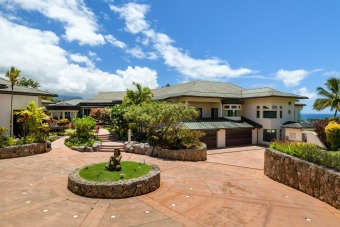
[114, 164]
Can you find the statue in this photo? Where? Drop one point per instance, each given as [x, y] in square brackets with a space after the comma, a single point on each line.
[114, 163]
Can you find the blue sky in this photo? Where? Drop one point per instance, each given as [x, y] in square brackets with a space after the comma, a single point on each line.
[81, 47]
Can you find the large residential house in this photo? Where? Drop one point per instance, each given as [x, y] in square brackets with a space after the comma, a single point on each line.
[21, 97]
[229, 115]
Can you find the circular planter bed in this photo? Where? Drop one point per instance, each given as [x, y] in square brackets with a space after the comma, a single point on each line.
[117, 188]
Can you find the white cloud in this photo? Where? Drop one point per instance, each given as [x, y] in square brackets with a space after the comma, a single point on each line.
[332, 74]
[293, 77]
[114, 42]
[37, 54]
[134, 16]
[212, 68]
[304, 92]
[78, 58]
[137, 52]
[80, 22]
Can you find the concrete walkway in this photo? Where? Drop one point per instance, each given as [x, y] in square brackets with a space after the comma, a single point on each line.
[229, 189]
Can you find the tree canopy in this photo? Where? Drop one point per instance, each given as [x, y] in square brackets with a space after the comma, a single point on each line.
[28, 83]
[330, 96]
[139, 96]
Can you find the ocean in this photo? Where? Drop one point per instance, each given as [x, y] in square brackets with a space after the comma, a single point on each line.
[306, 116]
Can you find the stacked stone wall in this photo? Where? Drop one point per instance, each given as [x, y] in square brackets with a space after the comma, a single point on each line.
[199, 154]
[312, 179]
[23, 150]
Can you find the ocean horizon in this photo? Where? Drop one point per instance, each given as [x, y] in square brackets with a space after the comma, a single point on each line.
[307, 116]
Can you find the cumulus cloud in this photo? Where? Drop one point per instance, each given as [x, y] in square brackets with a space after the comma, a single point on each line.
[80, 22]
[134, 16]
[78, 58]
[304, 92]
[212, 68]
[38, 54]
[291, 78]
[137, 52]
[114, 42]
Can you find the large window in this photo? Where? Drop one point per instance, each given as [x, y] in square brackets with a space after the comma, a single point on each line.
[269, 111]
[269, 135]
[232, 111]
[200, 112]
[269, 114]
[87, 112]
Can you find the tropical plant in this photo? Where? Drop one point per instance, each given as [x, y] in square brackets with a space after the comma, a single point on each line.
[2, 138]
[309, 152]
[34, 122]
[101, 114]
[161, 122]
[320, 126]
[331, 96]
[117, 118]
[83, 132]
[28, 83]
[333, 135]
[13, 75]
[139, 96]
[63, 122]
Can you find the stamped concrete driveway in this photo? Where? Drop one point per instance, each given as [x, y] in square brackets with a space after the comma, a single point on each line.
[229, 189]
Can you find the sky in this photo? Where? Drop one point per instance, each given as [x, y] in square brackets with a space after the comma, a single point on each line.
[82, 47]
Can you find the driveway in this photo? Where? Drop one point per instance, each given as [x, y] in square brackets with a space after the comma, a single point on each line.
[229, 189]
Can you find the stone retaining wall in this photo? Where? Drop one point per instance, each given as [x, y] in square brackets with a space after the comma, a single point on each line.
[199, 154]
[312, 179]
[115, 190]
[23, 150]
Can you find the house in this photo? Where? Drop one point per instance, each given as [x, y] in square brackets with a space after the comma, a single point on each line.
[229, 115]
[21, 97]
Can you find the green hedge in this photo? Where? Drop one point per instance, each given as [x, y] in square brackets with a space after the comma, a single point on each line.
[309, 152]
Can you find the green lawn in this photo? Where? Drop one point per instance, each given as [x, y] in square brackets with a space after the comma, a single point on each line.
[98, 172]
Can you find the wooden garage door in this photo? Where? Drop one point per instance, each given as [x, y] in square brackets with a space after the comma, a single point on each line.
[210, 138]
[236, 137]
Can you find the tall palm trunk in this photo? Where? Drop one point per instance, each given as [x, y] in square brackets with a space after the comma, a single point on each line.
[336, 111]
[11, 114]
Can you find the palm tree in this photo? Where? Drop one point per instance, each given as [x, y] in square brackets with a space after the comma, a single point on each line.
[13, 75]
[140, 96]
[331, 96]
[28, 83]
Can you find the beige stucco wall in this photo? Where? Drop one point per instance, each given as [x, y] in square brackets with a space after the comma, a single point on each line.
[20, 102]
[249, 109]
[221, 138]
[312, 137]
[293, 134]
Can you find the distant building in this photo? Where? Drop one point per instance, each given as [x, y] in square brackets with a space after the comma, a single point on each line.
[229, 115]
[22, 96]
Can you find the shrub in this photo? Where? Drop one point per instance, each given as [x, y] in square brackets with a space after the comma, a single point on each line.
[320, 130]
[63, 122]
[70, 132]
[84, 126]
[333, 135]
[83, 132]
[309, 152]
[33, 119]
[2, 138]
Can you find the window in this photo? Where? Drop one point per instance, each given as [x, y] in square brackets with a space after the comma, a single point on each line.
[258, 114]
[269, 114]
[280, 113]
[214, 112]
[292, 136]
[68, 115]
[87, 112]
[269, 135]
[232, 111]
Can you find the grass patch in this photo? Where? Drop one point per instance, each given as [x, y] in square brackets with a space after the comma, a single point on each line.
[98, 172]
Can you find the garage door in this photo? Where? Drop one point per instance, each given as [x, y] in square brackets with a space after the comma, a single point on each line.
[236, 137]
[210, 139]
